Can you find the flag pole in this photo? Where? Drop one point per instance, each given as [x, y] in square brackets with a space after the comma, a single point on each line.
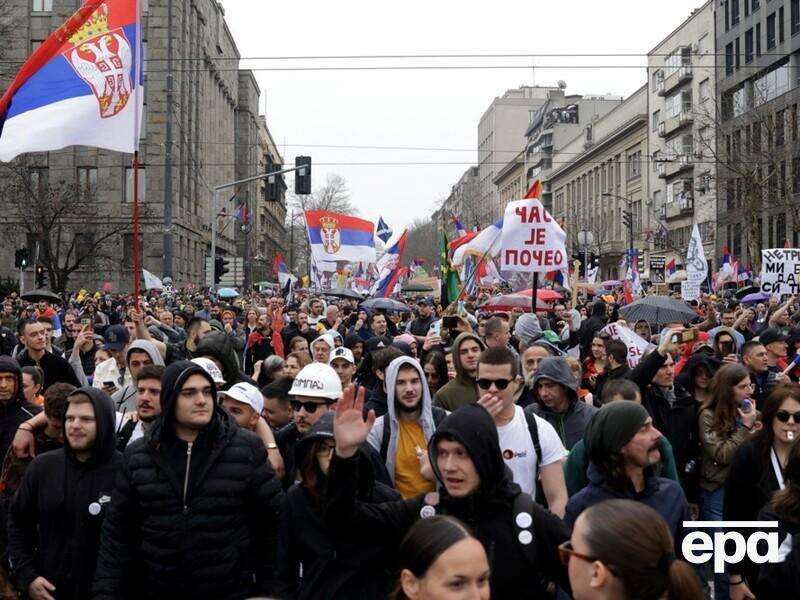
[137, 82]
[534, 288]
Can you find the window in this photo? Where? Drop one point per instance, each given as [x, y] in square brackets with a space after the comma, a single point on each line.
[734, 12]
[780, 128]
[794, 16]
[793, 121]
[703, 44]
[657, 200]
[771, 85]
[736, 53]
[704, 90]
[746, 8]
[84, 246]
[656, 120]
[38, 180]
[771, 31]
[729, 59]
[749, 47]
[129, 184]
[758, 39]
[781, 39]
[86, 182]
[42, 6]
[756, 4]
[727, 16]
[127, 249]
[796, 175]
[35, 45]
[678, 103]
[634, 164]
[780, 230]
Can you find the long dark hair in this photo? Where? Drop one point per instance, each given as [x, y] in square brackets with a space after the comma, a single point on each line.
[765, 436]
[312, 479]
[722, 403]
[439, 363]
[786, 502]
[426, 541]
[632, 539]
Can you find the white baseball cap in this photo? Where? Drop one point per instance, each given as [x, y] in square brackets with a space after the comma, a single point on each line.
[246, 393]
[211, 368]
[343, 353]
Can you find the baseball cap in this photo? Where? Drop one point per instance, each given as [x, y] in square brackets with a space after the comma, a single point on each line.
[211, 368]
[116, 337]
[246, 393]
[772, 334]
[343, 353]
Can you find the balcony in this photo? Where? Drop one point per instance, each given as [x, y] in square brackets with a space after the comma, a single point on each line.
[536, 158]
[680, 75]
[682, 207]
[669, 126]
[668, 170]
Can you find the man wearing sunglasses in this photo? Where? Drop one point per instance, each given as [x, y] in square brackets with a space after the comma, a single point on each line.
[314, 391]
[531, 447]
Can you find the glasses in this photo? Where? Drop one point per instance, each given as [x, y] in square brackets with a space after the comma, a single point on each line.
[326, 449]
[566, 552]
[784, 415]
[501, 384]
[309, 407]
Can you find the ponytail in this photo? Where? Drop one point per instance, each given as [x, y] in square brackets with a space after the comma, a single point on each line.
[683, 582]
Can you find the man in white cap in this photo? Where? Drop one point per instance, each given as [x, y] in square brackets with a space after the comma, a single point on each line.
[244, 403]
[321, 348]
[344, 363]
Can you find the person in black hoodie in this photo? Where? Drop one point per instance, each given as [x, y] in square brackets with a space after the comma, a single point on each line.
[596, 321]
[354, 566]
[14, 409]
[196, 505]
[520, 537]
[56, 516]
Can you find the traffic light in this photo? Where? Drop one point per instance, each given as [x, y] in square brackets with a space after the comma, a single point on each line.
[302, 177]
[627, 219]
[41, 278]
[274, 184]
[21, 258]
[220, 268]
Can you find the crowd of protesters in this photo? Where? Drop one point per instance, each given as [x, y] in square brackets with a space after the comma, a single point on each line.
[187, 446]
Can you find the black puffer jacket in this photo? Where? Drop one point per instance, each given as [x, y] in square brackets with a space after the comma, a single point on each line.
[218, 345]
[354, 566]
[52, 531]
[209, 534]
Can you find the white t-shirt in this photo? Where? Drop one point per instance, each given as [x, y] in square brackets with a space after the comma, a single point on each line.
[519, 454]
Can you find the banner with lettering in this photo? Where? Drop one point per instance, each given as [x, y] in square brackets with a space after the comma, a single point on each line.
[780, 271]
[531, 240]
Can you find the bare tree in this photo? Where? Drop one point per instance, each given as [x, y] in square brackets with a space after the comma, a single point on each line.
[61, 217]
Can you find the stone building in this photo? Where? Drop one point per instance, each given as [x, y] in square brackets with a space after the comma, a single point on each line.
[601, 173]
[463, 199]
[510, 181]
[215, 133]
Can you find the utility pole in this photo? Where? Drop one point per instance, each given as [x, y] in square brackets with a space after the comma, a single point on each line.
[168, 238]
[291, 244]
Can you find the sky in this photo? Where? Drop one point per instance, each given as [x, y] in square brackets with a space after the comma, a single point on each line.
[436, 112]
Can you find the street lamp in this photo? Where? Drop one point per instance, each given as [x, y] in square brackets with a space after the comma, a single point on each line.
[627, 219]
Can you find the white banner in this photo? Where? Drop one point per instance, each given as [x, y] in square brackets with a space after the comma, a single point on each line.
[531, 241]
[780, 271]
[690, 290]
[696, 265]
[637, 345]
[151, 282]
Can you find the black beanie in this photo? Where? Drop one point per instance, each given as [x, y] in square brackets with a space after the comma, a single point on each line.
[612, 427]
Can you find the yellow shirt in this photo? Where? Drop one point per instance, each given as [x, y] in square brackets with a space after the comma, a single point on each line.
[407, 478]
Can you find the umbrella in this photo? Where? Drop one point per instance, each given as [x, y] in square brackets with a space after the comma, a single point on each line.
[543, 294]
[412, 287]
[227, 293]
[755, 298]
[385, 304]
[41, 295]
[344, 293]
[611, 283]
[659, 310]
[509, 302]
[745, 291]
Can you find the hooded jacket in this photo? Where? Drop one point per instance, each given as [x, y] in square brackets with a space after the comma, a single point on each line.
[780, 579]
[218, 345]
[199, 521]
[463, 389]
[425, 418]
[15, 411]
[56, 516]
[356, 565]
[592, 325]
[571, 424]
[125, 399]
[489, 511]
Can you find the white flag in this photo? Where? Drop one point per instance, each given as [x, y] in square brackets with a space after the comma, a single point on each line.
[151, 282]
[696, 265]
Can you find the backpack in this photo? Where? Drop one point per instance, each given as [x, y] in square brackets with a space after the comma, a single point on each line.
[438, 416]
[124, 434]
[533, 429]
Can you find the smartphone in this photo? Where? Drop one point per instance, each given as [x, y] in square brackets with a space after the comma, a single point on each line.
[85, 321]
[726, 348]
[687, 335]
[450, 322]
[109, 384]
[436, 328]
[747, 405]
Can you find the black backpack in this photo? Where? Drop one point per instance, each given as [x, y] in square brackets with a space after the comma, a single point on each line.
[438, 416]
[124, 434]
[533, 429]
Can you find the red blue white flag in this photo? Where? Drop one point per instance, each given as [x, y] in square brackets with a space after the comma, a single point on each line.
[82, 86]
[335, 237]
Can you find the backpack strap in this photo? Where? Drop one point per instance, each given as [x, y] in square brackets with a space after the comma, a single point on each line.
[533, 429]
[522, 513]
[385, 437]
[124, 434]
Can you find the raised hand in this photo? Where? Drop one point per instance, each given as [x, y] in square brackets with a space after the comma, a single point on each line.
[350, 430]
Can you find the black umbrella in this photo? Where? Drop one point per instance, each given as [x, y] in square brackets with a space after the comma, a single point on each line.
[344, 293]
[416, 287]
[41, 295]
[385, 304]
[659, 310]
[746, 291]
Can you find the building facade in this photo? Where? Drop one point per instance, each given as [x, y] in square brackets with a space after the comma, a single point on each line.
[212, 139]
[510, 181]
[555, 123]
[501, 132]
[601, 173]
[463, 198]
[758, 92]
[682, 148]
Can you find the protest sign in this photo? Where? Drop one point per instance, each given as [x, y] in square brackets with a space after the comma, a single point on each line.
[636, 345]
[690, 290]
[531, 240]
[780, 271]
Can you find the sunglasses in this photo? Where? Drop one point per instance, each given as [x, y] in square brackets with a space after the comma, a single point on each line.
[784, 415]
[501, 384]
[566, 552]
[309, 407]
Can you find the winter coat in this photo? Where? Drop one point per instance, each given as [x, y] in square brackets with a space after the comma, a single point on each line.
[463, 389]
[17, 410]
[425, 419]
[357, 565]
[621, 372]
[663, 495]
[197, 521]
[377, 400]
[780, 579]
[571, 424]
[489, 512]
[590, 326]
[55, 368]
[125, 398]
[57, 514]
[218, 345]
[718, 449]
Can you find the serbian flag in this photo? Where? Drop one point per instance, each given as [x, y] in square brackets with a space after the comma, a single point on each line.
[555, 277]
[83, 86]
[389, 268]
[671, 268]
[726, 266]
[460, 231]
[241, 212]
[280, 269]
[334, 237]
[742, 273]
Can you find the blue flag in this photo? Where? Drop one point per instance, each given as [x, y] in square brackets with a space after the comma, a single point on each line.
[383, 231]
